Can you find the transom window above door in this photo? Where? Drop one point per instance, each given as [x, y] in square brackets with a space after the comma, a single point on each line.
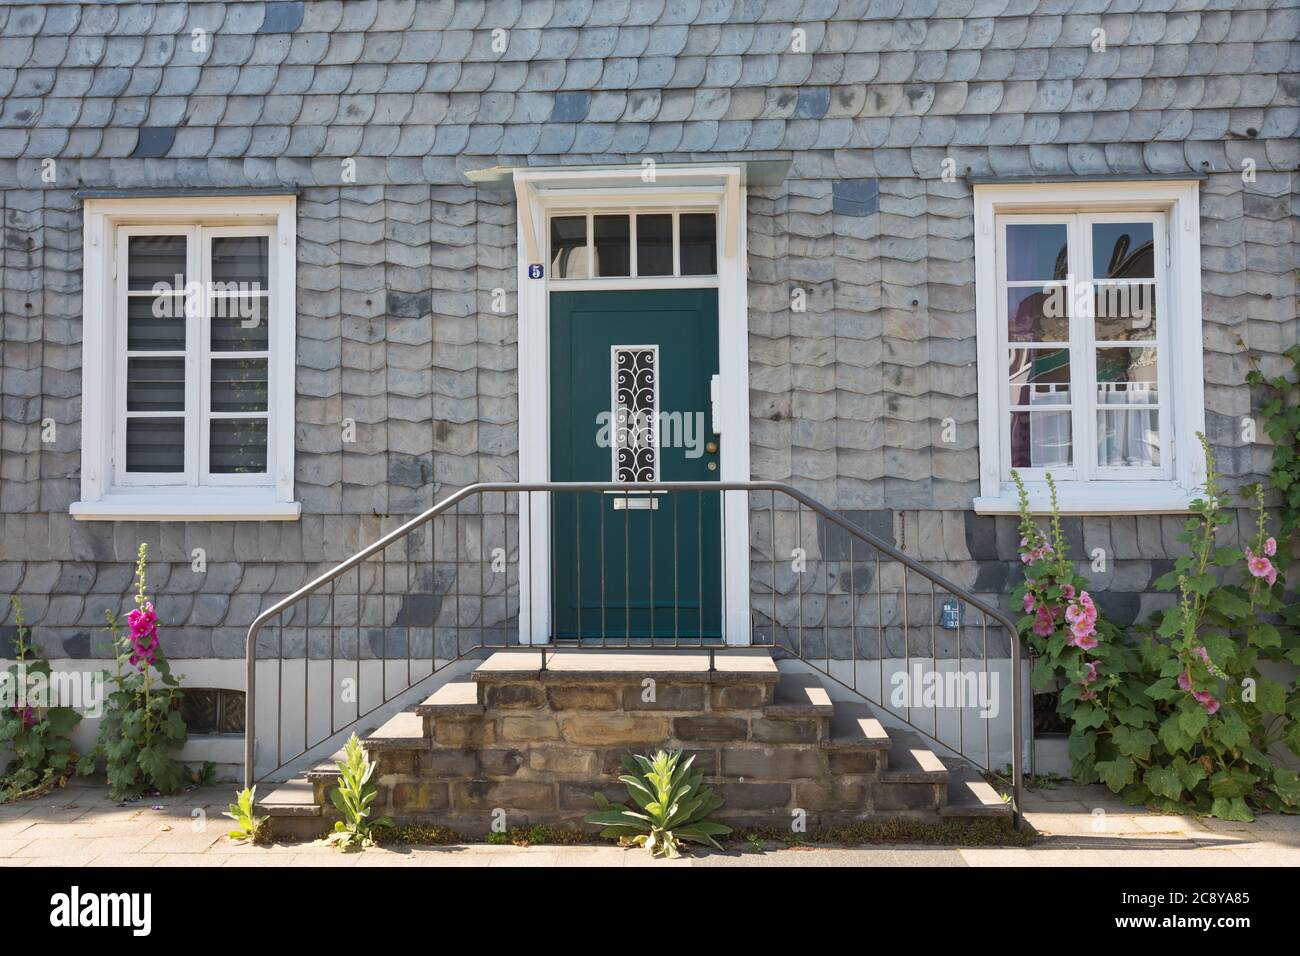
[1088, 307]
[188, 359]
[609, 245]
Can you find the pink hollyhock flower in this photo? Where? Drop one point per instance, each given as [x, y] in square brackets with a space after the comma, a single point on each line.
[1029, 602]
[1184, 682]
[1088, 694]
[1084, 640]
[1024, 542]
[1043, 626]
[1075, 613]
[1206, 700]
[1270, 547]
[1085, 599]
[1068, 591]
[1091, 676]
[143, 623]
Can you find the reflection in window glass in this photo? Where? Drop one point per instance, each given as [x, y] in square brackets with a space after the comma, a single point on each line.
[155, 384]
[242, 260]
[699, 244]
[239, 323]
[239, 385]
[1128, 438]
[155, 445]
[1125, 311]
[155, 323]
[654, 245]
[1037, 251]
[1039, 376]
[1040, 439]
[613, 247]
[569, 247]
[237, 446]
[155, 259]
[1038, 315]
[1123, 250]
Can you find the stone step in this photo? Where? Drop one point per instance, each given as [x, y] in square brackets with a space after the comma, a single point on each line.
[970, 795]
[457, 698]
[799, 695]
[687, 665]
[855, 727]
[404, 731]
[294, 798]
[912, 761]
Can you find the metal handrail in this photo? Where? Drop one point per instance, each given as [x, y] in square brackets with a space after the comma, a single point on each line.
[834, 517]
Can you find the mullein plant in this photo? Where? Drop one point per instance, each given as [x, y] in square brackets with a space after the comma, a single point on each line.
[248, 825]
[353, 797]
[142, 728]
[37, 734]
[1181, 718]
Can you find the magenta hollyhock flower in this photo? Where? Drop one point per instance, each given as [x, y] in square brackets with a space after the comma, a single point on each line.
[143, 623]
[1184, 682]
[1091, 676]
[1207, 700]
[1068, 591]
[1029, 602]
[1270, 547]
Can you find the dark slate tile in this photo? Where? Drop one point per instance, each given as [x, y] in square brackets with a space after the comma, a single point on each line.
[855, 197]
[571, 107]
[813, 103]
[981, 537]
[154, 142]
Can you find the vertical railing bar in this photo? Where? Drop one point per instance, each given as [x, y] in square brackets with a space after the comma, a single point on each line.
[600, 508]
[722, 519]
[455, 570]
[880, 630]
[482, 588]
[650, 517]
[627, 575]
[433, 592]
[798, 578]
[906, 640]
[383, 619]
[532, 624]
[577, 570]
[853, 612]
[934, 660]
[826, 605]
[988, 730]
[699, 565]
[333, 680]
[772, 533]
[406, 603]
[677, 554]
[961, 711]
[358, 609]
[279, 704]
[552, 630]
[306, 679]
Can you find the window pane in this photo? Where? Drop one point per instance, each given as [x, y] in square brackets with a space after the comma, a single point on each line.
[1125, 312]
[1039, 376]
[569, 247]
[613, 245]
[242, 260]
[153, 259]
[1038, 315]
[1127, 376]
[237, 446]
[1037, 251]
[1123, 250]
[155, 444]
[155, 323]
[240, 323]
[654, 245]
[155, 384]
[239, 385]
[1128, 438]
[1040, 439]
[699, 244]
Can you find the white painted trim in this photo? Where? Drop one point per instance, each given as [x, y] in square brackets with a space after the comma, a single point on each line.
[103, 498]
[719, 187]
[1180, 312]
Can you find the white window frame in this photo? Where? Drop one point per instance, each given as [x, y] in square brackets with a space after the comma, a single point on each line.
[1083, 489]
[108, 492]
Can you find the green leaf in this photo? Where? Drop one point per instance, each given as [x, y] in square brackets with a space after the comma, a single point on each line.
[1192, 720]
[1233, 782]
[1134, 743]
[1163, 782]
[1117, 773]
[1270, 696]
[1233, 808]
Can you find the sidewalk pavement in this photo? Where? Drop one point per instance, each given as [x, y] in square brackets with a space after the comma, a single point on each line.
[1079, 826]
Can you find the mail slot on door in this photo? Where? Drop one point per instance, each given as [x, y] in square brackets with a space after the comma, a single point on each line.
[637, 503]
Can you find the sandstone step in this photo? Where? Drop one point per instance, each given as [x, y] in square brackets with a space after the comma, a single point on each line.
[800, 695]
[457, 698]
[688, 665]
[404, 731]
[912, 761]
[970, 795]
[294, 798]
[855, 727]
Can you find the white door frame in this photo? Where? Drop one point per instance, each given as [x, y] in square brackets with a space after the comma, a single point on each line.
[718, 187]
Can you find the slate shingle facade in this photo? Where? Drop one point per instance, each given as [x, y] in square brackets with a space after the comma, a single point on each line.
[395, 270]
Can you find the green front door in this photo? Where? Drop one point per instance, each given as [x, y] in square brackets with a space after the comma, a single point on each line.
[630, 376]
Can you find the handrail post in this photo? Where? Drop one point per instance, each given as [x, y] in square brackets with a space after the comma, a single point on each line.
[250, 710]
[1017, 731]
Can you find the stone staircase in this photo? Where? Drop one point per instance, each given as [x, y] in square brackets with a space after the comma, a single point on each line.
[532, 744]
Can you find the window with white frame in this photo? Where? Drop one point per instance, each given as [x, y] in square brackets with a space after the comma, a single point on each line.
[189, 359]
[652, 244]
[1089, 324]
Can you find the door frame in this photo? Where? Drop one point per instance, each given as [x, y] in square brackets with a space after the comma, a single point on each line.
[715, 187]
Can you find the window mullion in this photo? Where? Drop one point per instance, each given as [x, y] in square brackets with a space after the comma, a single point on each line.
[196, 359]
[1085, 379]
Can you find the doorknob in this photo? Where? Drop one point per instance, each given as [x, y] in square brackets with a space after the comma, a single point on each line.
[711, 447]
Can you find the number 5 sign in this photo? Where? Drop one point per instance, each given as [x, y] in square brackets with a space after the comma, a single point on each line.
[536, 271]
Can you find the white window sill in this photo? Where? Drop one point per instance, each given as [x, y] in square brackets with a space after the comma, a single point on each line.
[207, 504]
[1094, 498]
